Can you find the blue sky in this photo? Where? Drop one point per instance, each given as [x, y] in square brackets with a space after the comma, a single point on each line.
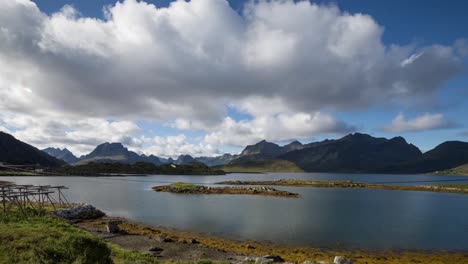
[428, 113]
[431, 21]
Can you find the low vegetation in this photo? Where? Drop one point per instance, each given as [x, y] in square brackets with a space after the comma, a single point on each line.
[45, 239]
[143, 168]
[188, 188]
[260, 166]
[299, 183]
[452, 188]
[458, 171]
[17, 173]
[183, 185]
[457, 186]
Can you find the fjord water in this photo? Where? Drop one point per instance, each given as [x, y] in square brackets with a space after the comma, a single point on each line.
[349, 218]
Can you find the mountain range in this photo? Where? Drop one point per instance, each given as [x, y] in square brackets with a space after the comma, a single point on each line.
[354, 153]
[115, 153]
[219, 160]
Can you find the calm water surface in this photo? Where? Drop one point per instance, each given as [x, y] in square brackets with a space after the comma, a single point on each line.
[362, 218]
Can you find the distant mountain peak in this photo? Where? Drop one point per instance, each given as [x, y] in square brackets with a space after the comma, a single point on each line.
[357, 135]
[218, 160]
[185, 159]
[56, 149]
[116, 152]
[62, 154]
[294, 143]
[111, 149]
[399, 139]
[260, 150]
[115, 145]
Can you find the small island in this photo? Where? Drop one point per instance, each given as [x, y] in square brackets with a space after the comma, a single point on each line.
[446, 188]
[188, 188]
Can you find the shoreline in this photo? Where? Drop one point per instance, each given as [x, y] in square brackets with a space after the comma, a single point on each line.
[438, 188]
[230, 249]
[100, 175]
[45, 174]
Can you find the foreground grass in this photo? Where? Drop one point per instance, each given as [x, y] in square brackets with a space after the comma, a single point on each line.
[260, 166]
[44, 239]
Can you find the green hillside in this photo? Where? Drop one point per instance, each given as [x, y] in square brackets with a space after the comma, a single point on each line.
[261, 166]
[460, 170]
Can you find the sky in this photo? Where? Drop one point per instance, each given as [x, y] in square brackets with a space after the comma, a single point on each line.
[206, 77]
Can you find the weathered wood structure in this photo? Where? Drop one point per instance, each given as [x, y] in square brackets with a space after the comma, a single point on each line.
[30, 196]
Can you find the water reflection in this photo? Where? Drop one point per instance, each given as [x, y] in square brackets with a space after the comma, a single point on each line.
[367, 218]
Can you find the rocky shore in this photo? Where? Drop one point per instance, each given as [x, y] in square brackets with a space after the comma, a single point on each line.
[175, 245]
[182, 188]
[172, 245]
[452, 188]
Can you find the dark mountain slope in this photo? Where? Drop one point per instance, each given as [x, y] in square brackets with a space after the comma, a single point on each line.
[13, 151]
[260, 151]
[447, 155]
[353, 153]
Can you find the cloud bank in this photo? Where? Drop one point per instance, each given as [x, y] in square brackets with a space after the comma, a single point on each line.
[288, 65]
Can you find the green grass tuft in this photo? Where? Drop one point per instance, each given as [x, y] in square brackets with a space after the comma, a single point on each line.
[183, 185]
[44, 239]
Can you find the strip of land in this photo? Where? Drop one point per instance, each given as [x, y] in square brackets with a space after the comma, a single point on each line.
[260, 166]
[17, 173]
[188, 188]
[117, 169]
[458, 171]
[446, 188]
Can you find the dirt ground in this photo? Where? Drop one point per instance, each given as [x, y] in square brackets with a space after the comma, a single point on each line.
[163, 250]
[172, 244]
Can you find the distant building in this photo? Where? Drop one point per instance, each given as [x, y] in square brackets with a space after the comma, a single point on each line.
[39, 170]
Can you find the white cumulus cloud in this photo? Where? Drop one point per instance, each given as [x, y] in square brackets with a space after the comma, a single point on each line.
[420, 123]
[283, 62]
[187, 60]
[278, 127]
